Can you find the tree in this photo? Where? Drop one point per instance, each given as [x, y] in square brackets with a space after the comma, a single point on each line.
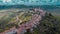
[50, 14]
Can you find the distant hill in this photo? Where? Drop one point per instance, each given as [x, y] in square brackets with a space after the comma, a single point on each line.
[45, 7]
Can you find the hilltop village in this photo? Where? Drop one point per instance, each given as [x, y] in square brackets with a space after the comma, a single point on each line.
[28, 21]
[21, 20]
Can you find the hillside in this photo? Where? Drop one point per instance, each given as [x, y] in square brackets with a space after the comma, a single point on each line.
[48, 25]
[10, 18]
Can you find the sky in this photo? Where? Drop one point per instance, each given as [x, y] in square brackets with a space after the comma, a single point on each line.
[30, 2]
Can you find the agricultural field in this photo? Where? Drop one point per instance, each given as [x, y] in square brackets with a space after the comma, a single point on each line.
[10, 18]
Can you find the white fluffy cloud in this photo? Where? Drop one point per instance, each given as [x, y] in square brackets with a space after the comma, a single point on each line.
[30, 2]
[7, 1]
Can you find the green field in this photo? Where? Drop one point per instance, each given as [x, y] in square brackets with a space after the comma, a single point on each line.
[8, 18]
[55, 12]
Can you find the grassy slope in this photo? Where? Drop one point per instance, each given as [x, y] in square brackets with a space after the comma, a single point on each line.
[55, 12]
[48, 25]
